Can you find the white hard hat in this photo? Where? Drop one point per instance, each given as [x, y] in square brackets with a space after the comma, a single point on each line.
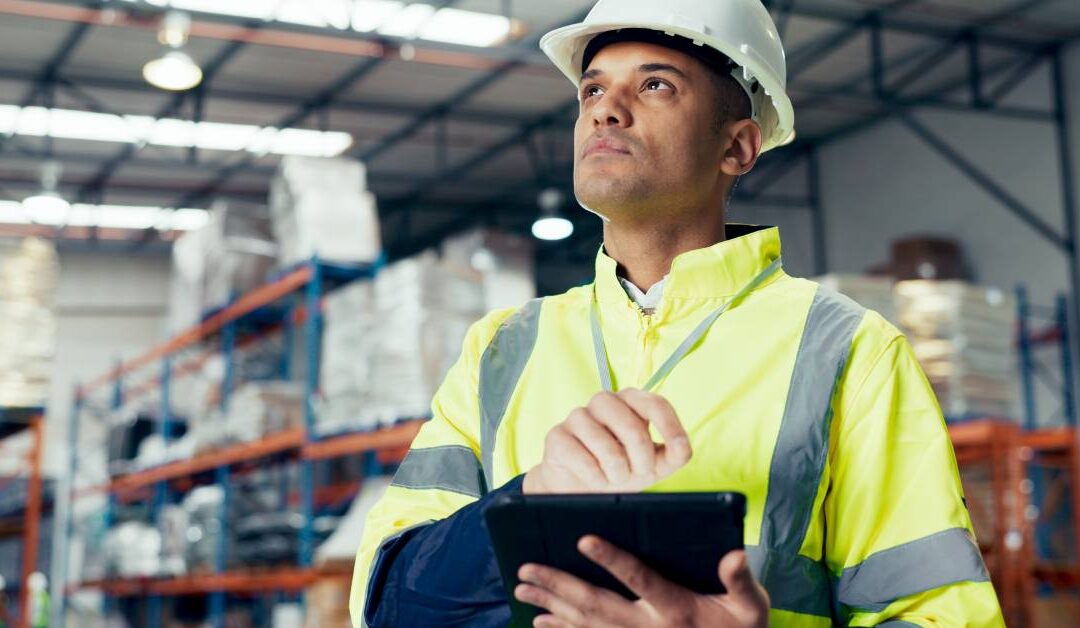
[740, 29]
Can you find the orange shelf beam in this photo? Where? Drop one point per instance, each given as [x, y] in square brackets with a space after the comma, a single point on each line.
[393, 437]
[1057, 439]
[274, 444]
[393, 440]
[246, 304]
[282, 579]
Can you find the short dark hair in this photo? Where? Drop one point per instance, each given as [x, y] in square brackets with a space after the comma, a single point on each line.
[732, 102]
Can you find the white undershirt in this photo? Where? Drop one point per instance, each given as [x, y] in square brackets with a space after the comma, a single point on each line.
[645, 300]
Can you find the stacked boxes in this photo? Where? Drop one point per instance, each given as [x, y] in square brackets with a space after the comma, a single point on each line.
[349, 340]
[388, 346]
[29, 271]
[258, 409]
[321, 206]
[963, 337]
[232, 254]
[505, 262]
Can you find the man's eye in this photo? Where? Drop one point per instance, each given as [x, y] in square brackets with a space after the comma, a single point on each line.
[592, 90]
[656, 85]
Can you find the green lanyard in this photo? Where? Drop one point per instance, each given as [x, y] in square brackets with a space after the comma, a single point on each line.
[604, 367]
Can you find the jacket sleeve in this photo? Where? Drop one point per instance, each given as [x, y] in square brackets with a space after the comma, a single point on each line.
[900, 541]
[440, 476]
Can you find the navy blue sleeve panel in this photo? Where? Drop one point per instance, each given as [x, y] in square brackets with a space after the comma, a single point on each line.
[441, 574]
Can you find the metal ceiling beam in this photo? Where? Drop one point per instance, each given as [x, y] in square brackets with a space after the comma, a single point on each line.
[459, 97]
[808, 55]
[821, 11]
[171, 107]
[838, 90]
[83, 82]
[932, 95]
[206, 25]
[983, 180]
[951, 45]
[317, 102]
[46, 77]
[457, 172]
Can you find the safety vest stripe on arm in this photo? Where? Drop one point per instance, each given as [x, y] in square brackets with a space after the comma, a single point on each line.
[500, 368]
[452, 468]
[934, 561]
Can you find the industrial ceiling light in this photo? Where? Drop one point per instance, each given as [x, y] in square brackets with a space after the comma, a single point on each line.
[550, 225]
[174, 71]
[47, 207]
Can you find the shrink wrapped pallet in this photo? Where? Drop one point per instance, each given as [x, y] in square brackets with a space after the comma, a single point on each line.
[258, 409]
[385, 367]
[230, 255]
[320, 206]
[29, 271]
[963, 336]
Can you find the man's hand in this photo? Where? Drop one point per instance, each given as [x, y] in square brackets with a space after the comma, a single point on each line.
[606, 447]
[572, 602]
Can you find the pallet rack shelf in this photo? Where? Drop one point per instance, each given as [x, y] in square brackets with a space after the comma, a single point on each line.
[14, 421]
[290, 302]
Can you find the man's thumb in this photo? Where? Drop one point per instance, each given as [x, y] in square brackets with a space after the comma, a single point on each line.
[736, 576]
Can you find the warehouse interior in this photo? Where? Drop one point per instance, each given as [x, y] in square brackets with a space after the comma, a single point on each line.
[227, 306]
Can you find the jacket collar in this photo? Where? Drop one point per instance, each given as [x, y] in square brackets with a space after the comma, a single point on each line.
[717, 271]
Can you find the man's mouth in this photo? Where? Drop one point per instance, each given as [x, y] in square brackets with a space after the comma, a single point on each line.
[605, 146]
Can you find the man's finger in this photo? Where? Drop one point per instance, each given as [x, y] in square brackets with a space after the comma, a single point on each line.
[545, 599]
[603, 445]
[571, 454]
[739, 581]
[630, 428]
[571, 598]
[655, 409]
[551, 621]
[640, 579]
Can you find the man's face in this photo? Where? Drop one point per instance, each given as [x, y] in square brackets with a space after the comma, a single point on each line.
[646, 140]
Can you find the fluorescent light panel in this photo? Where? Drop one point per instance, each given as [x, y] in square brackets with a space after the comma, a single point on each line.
[387, 17]
[110, 217]
[104, 127]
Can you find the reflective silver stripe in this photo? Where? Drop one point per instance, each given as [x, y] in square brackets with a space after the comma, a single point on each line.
[938, 560]
[795, 583]
[448, 468]
[898, 623]
[802, 444]
[500, 368]
[375, 561]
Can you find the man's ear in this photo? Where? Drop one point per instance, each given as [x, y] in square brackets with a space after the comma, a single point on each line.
[743, 147]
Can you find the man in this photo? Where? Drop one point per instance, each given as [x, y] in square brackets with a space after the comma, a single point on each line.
[692, 363]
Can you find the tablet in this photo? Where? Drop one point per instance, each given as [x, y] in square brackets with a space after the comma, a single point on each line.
[682, 536]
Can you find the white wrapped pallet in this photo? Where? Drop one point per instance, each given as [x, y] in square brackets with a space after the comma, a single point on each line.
[319, 206]
[505, 262]
[258, 409]
[29, 271]
[962, 336]
[348, 345]
[383, 362]
[231, 255]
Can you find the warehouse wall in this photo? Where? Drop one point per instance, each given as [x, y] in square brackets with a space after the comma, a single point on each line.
[108, 307]
[885, 183]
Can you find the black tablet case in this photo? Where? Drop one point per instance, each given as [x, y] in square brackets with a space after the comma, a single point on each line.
[682, 536]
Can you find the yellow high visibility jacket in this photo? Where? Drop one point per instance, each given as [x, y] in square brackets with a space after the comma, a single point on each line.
[812, 406]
